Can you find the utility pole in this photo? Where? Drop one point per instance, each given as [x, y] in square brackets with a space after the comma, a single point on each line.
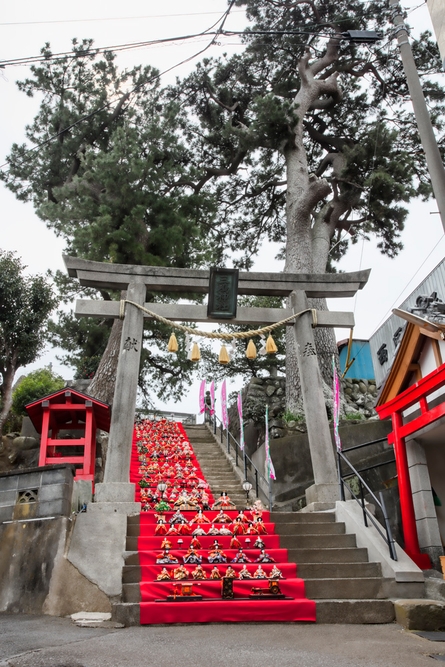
[427, 137]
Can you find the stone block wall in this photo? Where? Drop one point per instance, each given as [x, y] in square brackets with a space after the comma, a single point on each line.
[36, 493]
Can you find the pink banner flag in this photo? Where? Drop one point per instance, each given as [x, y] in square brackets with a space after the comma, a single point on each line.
[241, 424]
[202, 391]
[336, 401]
[224, 413]
[212, 398]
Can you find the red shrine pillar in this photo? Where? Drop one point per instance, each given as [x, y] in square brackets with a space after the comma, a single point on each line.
[412, 547]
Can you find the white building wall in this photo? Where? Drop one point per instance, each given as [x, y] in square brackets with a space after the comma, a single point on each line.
[437, 12]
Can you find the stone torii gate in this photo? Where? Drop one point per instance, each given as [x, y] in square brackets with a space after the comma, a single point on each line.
[116, 494]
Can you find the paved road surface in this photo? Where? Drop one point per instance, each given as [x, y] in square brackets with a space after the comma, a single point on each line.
[44, 641]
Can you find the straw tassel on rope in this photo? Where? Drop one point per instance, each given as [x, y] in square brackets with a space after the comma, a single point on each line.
[223, 356]
[251, 350]
[172, 344]
[196, 354]
[271, 347]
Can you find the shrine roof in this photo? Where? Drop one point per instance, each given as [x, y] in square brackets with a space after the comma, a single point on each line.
[68, 401]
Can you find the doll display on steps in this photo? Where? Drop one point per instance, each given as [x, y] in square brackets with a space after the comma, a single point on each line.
[223, 502]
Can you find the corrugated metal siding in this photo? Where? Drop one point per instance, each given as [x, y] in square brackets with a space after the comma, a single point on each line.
[434, 282]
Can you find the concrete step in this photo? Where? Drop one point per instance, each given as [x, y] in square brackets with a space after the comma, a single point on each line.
[131, 592]
[317, 541]
[131, 574]
[344, 589]
[340, 570]
[311, 528]
[301, 517]
[131, 558]
[354, 612]
[127, 613]
[131, 543]
[348, 555]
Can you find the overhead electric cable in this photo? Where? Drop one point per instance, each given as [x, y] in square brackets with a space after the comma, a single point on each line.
[116, 18]
[153, 78]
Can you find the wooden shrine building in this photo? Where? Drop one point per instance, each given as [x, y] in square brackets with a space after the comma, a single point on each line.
[413, 397]
[69, 410]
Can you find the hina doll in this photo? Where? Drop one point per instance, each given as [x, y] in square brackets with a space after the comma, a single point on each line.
[215, 573]
[241, 557]
[216, 555]
[195, 543]
[264, 558]
[259, 544]
[238, 527]
[184, 528]
[222, 518]
[276, 573]
[163, 575]
[199, 531]
[192, 557]
[260, 526]
[235, 543]
[260, 574]
[200, 518]
[223, 502]
[230, 573]
[198, 573]
[178, 518]
[161, 526]
[213, 531]
[166, 557]
[244, 573]
[166, 544]
[180, 573]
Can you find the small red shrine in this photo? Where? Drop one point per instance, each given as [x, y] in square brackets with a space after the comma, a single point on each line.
[69, 410]
[413, 397]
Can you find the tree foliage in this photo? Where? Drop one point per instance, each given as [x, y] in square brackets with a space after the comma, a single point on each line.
[303, 138]
[106, 186]
[307, 99]
[35, 385]
[307, 139]
[25, 305]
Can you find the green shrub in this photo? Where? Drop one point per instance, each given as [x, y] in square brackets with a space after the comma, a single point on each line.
[289, 416]
[36, 385]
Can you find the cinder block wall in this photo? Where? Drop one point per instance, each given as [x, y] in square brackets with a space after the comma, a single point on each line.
[36, 493]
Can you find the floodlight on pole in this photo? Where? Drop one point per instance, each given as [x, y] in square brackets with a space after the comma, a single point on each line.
[362, 36]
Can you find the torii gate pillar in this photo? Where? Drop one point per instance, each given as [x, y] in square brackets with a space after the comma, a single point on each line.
[325, 487]
[116, 488]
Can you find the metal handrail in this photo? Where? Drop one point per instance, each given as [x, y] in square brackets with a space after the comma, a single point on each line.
[388, 538]
[248, 466]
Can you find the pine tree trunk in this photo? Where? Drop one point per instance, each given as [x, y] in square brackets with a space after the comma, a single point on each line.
[102, 385]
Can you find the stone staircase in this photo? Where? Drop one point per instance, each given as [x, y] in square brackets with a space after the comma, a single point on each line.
[338, 576]
[216, 468]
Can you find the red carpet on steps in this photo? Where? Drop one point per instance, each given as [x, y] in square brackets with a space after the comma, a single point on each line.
[154, 607]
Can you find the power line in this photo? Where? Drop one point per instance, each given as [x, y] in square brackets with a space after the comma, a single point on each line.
[221, 21]
[54, 57]
[115, 18]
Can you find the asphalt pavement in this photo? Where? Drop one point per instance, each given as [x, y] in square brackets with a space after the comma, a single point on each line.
[45, 641]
